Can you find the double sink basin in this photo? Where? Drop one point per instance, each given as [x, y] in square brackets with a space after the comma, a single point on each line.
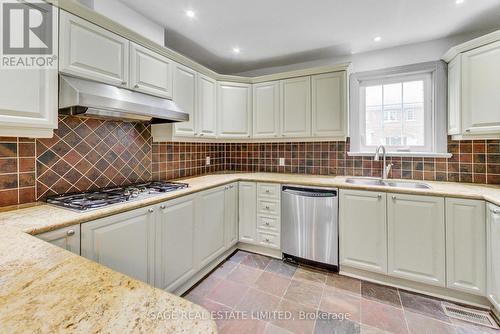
[387, 183]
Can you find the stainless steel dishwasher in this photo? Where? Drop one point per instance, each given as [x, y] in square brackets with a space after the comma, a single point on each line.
[309, 226]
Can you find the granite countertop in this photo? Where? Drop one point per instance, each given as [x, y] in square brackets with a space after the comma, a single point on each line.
[48, 289]
[40, 217]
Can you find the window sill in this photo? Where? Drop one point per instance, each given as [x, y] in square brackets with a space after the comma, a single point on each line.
[403, 154]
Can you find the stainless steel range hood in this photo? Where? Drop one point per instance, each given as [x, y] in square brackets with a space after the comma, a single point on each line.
[82, 97]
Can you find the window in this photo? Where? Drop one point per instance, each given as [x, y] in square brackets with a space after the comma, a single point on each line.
[397, 108]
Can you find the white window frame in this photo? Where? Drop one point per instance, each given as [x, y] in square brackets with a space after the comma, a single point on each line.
[434, 75]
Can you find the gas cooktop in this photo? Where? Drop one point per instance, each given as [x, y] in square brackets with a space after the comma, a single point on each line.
[100, 198]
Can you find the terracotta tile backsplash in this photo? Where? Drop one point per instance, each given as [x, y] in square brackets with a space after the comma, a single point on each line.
[89, 153]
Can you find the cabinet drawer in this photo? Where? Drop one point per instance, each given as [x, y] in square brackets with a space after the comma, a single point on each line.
[268, 190]
[268, 207]
[268, 239]
[268, 223]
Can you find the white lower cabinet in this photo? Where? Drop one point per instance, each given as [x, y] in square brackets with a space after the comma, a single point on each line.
[363, 230]
[67, 238]
[466, 245]
[176, 258]
[247, 212]
[210, 226]
[416, 238]
[124, 242]
[231, 215]
[493, 255]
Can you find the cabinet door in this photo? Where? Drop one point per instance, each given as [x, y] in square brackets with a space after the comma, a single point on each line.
[416, 240]
[207, 107]
[184, 95]
[175, 243]
[231, 212]
[296, 107]
[454, 95]
[363, 230]
[210, 225]
[466, 245]
[123, 242]
[480, 82]
[150, 72]
[248, 212]
[329, 105]
[28, 99]
[234, 110]
[67, 238]
[92, 52]
[266, 109]
[493, 255]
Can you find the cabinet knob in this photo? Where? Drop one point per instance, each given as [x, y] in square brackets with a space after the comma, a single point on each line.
[393, 197]
[231, 186]
[70, 233]
[124, 83]
[267, 239]
[151, 210]
[267, 223]
[267, 207]
[267, 191]
[379, 196]
[163, 207]
[495, 211]
[136, 86]
[201, 134]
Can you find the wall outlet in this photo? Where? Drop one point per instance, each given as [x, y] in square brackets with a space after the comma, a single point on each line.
[207, 161]
[282, 161]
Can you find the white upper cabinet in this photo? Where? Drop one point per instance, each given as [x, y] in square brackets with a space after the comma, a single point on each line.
[454, 95]
[28, 100]
[150, 72]
[416, 238]
[466, 245]
[296, 107]
[184, 95]
[206, 119]
[266, 109]
[329, 105]
[363, 230]
[493, 255]
[480, 82]
[124, 242]
[234, 110]
[92, 52]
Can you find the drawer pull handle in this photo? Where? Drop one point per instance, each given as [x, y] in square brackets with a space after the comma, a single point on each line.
[70, 233]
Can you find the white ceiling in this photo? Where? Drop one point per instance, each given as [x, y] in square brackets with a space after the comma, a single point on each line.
[281, 32]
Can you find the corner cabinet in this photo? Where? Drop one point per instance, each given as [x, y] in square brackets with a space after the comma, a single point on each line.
[266, 110]
[466, 245]
[124, 242]
[184, 93]
[89, 51]
[416, 238]
[67, 238]
[234, 110]
[493, 255]
[473, 80]
[296, 107]
[150, 72]
[363, 230]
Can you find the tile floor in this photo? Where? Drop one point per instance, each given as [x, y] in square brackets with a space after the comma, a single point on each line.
[249, 283]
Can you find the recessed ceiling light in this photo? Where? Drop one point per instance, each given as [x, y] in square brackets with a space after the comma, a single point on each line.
[190, 13]
[458, 2]
[236, 50]
[377, 39]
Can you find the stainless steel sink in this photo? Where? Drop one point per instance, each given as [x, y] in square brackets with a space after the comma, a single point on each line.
[388, 183]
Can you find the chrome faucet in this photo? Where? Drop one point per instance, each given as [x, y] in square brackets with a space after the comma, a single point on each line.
[386, 169]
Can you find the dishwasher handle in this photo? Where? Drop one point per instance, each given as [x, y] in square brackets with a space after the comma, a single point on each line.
[310, 192]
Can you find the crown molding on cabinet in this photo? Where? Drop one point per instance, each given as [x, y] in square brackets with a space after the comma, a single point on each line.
[470, 45]
[76, 8]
